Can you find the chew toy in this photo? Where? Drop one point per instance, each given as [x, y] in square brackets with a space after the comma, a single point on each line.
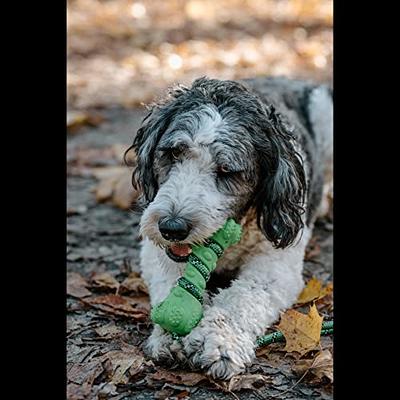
[182, 310]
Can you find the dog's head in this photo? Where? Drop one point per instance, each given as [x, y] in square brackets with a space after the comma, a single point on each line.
[210, 152]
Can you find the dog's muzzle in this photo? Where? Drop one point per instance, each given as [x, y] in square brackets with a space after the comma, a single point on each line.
[176, 230]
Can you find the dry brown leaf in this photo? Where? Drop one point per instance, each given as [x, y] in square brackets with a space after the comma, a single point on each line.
[118, 305]
[103, 280]
[133, 283]
[312, 251]
[302, 332]
[163, 394]
[77, 119]
[129, 358]
[101, 173]
[76, 285]
[178, 377]
[246, 381]
[95, 156]
[78, 392]
[105, 188]
[107, 390]
[320, 366]
[183, 395]
[118, 151]
[85, 372]
[109, 331]
[124, 194]
[116, 185]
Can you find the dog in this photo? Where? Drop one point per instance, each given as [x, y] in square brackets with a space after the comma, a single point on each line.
[259, 151]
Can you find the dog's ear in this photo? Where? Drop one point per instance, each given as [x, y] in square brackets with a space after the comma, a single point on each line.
[282, 185]
[147, 137]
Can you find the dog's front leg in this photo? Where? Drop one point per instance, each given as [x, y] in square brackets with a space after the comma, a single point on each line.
[160, 274]
[224, 341]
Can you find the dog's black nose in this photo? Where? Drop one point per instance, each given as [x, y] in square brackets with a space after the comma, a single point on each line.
[174, 229]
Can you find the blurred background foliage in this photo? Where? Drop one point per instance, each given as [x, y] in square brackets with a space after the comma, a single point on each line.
[124, 52]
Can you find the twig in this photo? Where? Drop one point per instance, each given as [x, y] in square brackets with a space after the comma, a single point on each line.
[291, 388]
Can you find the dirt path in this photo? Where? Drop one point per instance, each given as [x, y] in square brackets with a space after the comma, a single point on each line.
[102, 238]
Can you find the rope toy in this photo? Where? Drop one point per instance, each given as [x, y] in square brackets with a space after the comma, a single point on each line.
[182, 310]
[327, 329]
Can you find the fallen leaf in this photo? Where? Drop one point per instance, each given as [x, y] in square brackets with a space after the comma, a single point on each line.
[109, 331]
[116, 185]
[311, 291]
[93, 156]
[302, 332]
[119, 150]
[313, 250]
[321, 366]
[183, 395]
[133, 283]
[75, 354]
[85, 372]
[129, 358]
[124, 193]
[245, 381]
[266, 350]
[107, 390]
[77, 119]
[105, 188]
[118, 305]
[180, 378]
[103, 280]
[78, 392]
[101, 173]
[314, 291]
[164, 393]
[77, 285]
[327, 290]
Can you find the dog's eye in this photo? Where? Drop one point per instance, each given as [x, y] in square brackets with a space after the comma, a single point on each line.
[223, 169]
[176, 152]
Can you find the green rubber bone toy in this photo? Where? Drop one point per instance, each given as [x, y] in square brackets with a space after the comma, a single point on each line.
[182, 310]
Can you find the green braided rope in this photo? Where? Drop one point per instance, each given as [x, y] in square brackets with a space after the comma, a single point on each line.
[192, 289]
[205, 273]
[327, 329]
[215, 247]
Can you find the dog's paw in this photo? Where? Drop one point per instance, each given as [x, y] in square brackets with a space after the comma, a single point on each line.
[162, 348]
[218, 348]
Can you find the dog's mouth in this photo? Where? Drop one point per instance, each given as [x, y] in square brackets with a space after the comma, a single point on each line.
[179, 252]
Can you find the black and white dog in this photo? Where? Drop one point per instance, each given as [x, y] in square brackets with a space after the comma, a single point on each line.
[259, 151]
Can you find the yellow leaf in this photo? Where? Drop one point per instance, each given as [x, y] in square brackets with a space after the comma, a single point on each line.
[314, 291]
[302, 332]
[328, 289]
[311, 291]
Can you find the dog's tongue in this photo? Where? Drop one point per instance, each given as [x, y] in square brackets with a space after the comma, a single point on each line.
[181, 250]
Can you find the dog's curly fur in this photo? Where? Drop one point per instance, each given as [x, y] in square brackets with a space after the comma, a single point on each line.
[273, 138]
